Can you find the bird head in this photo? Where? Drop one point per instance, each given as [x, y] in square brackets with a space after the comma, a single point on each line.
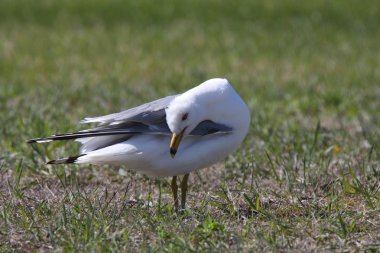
[182, 116]
[206, 101]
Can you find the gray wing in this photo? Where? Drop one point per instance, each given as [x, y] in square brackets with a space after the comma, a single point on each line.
[209, 127]
[146, 118]
[93, 143]
[149, 118]
[147, 113]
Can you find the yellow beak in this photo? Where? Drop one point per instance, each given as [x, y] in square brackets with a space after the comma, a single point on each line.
[176, 140]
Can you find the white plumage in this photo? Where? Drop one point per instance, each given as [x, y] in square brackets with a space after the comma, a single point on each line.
[167, 137]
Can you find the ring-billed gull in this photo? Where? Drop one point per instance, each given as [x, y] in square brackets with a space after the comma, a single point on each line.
[170, 136]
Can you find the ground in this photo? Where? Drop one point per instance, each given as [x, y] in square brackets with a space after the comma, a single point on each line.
[307, 177]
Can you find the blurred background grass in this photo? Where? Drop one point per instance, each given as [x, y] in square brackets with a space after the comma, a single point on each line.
[295, 63]
[290, 61]
[314, 58]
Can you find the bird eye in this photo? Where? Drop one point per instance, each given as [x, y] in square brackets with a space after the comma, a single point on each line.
[184, 117]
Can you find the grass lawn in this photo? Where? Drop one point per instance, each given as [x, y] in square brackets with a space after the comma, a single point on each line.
[307, 177]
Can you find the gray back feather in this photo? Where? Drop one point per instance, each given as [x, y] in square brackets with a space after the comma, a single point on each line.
[149, 118]
[147, 113]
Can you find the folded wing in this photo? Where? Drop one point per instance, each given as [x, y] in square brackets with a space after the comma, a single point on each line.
[149, 118]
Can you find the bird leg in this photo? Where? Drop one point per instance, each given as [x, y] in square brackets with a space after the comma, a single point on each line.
[184, 190]
[175, 192]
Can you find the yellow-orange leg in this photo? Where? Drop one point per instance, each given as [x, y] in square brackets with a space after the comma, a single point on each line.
[184, 190]
[175, 192]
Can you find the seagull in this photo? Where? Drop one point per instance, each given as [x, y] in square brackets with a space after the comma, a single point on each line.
[171, 136]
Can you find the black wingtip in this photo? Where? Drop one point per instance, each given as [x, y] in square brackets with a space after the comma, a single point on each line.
[39, 140]
[67, 160]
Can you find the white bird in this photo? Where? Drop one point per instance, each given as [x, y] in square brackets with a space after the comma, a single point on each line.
[170, 136]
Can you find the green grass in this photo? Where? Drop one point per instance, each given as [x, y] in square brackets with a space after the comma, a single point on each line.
[307, 177]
